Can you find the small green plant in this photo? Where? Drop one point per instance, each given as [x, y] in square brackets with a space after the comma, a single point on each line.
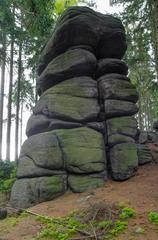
[105, 224]
[119, 226]
[127, 213]
[153, 217]
[24, 215]
[60, 228]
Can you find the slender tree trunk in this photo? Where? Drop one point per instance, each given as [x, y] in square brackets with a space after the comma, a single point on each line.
[154, 21]
[21, 122]
[156, 34]
[18, 103]
[146, 114]
[10, 100]
[148, 111]
[2, 92]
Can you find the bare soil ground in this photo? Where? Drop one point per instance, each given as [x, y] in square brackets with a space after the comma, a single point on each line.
[139, 192]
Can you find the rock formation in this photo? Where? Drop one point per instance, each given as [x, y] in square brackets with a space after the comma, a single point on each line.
[147, 145]
[82, 129]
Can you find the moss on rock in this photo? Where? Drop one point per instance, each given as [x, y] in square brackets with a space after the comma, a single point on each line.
[79, 183]
[123, 160]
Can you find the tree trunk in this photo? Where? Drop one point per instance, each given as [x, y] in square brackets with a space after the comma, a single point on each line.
[2, 92]
[10, 100]
[21, 123]
[154, 21]
[18, 103]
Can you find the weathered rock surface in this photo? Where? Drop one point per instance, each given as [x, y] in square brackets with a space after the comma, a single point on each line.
[118, 138]
[154, 151]
[44, 150]
[37, 124]
[117, 89]
[3, 213]
[111, 65]
[83, 149]
[82, 183]
[27, 168]
[115, 76]
[144, 154]
[78, 150]
[71, 101]
[47, 158]
[83, 86]
[83, 26]
[148, 137]
[123, 125]
[123, 161]
[117, 108]
[98, 126]
[77, 62]
[155, 125]
[27, 192]
[41, 123]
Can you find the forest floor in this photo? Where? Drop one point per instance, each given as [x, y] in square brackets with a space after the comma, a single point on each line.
[139, 193]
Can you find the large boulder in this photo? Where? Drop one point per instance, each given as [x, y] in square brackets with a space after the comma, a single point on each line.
[78, 150]
[37, 124]
[84, 114]
[83, 149]
[122, 125]
[118, 108]
[27, 192]
[44, 150]
[77, 62]
[111, 65]
[83, 86]
[147, 137]
[123, 161]
[72, 100]
[40, 123]
[144, 154]
[117, 89]
[154, 151]
[78, 26]
[27, 168]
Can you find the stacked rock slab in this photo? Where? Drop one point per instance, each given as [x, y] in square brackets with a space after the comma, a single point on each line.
[147, 145]
[82, 123]
[119, 99]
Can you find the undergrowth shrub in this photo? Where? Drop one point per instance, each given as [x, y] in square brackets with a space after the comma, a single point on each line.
[153, 217]
[7, 176]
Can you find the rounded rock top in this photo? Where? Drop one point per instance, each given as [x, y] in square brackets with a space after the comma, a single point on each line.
[104, 35]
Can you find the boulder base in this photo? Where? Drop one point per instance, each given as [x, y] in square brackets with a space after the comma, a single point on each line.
[27, 192]
[123, 161]
[79, 183]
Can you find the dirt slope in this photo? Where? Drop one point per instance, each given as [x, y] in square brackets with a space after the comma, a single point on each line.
[139, 192]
